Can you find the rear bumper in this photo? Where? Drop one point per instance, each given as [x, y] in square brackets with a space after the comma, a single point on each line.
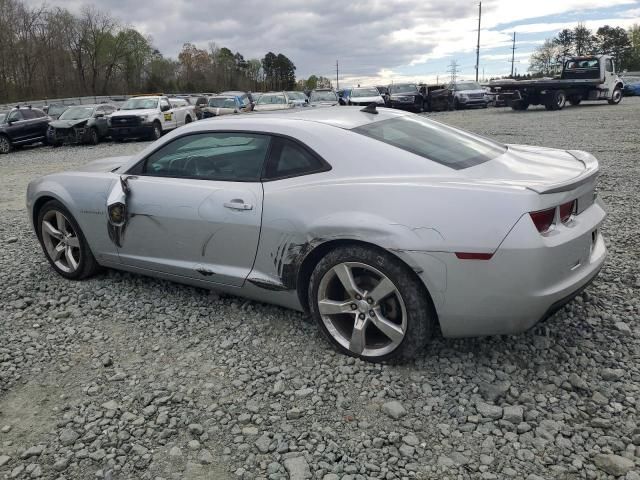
[528, 278]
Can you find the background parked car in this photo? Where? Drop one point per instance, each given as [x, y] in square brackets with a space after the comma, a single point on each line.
[406, 96]
[273, 101]
[437, 97]
[468, 94]
[343, 96]
[224, 105]
[80, 124]
[244, 97]
[631, 86]
[55, 110]
[22, 126]
[365, 96]
[323, 97]
[298, 99]
[384, 91]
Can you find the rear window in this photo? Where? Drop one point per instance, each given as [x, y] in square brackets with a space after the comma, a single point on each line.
[444, 145]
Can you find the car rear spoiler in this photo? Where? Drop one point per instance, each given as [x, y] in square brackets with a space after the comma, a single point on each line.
[591, 170]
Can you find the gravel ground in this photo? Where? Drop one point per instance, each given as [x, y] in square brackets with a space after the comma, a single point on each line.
[125, 377]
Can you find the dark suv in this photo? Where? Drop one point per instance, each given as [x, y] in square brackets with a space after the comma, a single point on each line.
[22, 126]
[406, 96]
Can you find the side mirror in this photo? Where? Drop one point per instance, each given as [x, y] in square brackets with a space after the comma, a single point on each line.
[165, 108]
[99, 115]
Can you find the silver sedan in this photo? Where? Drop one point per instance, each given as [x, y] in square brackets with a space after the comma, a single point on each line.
[384, 225]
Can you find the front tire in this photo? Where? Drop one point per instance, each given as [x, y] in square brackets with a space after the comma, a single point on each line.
[616, 97]
[5, 144]
[94, 138]
[370, 305]
[63, 242]
[557, 101]
[157, 131]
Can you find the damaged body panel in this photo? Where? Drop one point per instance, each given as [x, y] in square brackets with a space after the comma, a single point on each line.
[253, 204]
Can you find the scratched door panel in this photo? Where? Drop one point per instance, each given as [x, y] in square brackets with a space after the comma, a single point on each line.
[186, 227]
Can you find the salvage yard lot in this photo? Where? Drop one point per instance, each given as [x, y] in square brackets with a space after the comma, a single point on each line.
[133, 378]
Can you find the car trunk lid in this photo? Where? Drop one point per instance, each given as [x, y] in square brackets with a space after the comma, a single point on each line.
[543, 170]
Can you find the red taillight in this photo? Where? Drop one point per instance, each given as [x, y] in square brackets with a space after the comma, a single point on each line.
[543, 219]
[474, 256]
[567, 210]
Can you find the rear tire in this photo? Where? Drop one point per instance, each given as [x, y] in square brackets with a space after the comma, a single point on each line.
[396, 323]
[519, 105]
[557, 100]
[187, 120]
[616, 97]
[5, 144]
[61, 236]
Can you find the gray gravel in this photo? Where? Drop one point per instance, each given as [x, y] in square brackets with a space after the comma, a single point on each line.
[125, 377]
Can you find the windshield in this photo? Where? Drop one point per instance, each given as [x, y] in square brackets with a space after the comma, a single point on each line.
[77, 113]
[221, 102]
[271, 99]
[365, 92]
[323, 97]
[56, 109]
[434, 141]
[297, 96]
[140, 103]
[403, 87]
[468, 86]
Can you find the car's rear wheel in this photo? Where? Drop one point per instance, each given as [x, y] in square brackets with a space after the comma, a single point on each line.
[5, 144]
[64, 243]
[370, 305]
[556, 100]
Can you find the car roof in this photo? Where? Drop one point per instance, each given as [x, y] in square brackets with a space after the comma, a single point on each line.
[338, 116]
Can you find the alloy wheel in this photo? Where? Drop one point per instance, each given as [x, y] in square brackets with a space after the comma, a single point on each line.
[362, 309]
[617, 95]
[61, 241]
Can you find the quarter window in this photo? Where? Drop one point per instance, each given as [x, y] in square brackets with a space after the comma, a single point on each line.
[289, 159]
[235, 157]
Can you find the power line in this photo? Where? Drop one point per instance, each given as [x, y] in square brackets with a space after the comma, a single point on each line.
[478, 46]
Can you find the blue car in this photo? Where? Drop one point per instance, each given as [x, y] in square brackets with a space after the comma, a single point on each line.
[631, 86]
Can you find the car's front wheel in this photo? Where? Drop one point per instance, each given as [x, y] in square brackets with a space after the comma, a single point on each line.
[370, 305]
[157, 131]
[616, 97]
[64, 243]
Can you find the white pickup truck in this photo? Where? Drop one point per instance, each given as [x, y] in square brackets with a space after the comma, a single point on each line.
[148, 117]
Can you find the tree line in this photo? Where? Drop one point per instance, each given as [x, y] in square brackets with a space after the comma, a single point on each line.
[53, 53]
[623, 45]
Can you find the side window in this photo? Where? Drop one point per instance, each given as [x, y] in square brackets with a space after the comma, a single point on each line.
[609, 65]
[234, 157]
[15, 116]
[289, 159]
[29, 114]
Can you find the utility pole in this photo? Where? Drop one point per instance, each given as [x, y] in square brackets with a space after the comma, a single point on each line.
[478, 46]
[437, 79]
[337, 81]
[453, 70]
[513, 53]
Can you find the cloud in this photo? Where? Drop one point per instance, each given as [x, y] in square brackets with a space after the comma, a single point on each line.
[374, 40]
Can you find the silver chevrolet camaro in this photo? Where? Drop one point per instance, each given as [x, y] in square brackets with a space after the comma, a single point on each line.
[384, 225]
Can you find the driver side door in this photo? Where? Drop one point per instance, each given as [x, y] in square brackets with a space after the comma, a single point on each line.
[194, 207]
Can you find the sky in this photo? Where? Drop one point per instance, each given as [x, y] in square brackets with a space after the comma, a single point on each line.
[374, 41]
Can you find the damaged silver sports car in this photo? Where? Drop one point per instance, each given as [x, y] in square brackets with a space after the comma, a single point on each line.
[386, 226]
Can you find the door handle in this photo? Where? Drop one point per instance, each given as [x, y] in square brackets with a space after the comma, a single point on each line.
[238, 204]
